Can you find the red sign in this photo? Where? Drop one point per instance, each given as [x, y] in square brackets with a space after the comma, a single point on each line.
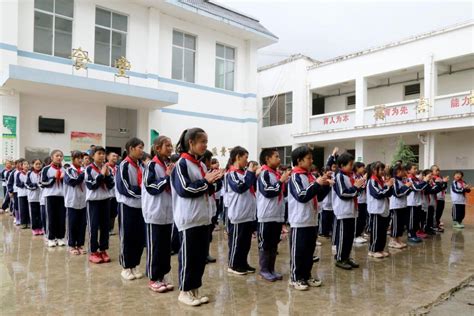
[335, 119]
[396, 111]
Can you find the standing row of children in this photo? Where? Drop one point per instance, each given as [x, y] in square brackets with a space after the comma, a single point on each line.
[154, 196]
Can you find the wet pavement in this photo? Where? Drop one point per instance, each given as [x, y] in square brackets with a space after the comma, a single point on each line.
[38, 280]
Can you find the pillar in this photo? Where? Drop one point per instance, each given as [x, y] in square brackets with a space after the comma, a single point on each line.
[429, 150]
[430, 82]
[359, 149]
[361, 100]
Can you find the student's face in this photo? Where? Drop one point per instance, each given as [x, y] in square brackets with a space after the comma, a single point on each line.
[274, 160]
[166, 148]
[435, 171]
[457, 176]
[413, 170]
[77, 161]
[57, 158]
[8, 164]
[348, 167]
[112, 158]
[307, 162]
[380, 172]
[136, 152]
[99, 157]
[333, 167]
[25, 166]
[86, 160]
[361, 170]
[199, 145]
[242, 161]
[37, 165]
[215, 165]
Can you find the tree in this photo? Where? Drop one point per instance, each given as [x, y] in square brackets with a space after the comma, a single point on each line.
[404, 153]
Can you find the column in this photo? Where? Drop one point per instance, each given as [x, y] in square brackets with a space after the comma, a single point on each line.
[429, 150]
[143, 127]
[361, 100]
[359, 149]
[430, 82]
[249, 104]
[153, 49]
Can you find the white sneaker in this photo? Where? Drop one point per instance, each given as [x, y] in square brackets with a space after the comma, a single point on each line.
[136, 273]
[188, 298]
[202, 299]
[299, 285]
[314, 282]
[333, 248]
[61, 242]
[51, 243]
[318, 243]
[127, 274]
[360, 240]
[394, 244]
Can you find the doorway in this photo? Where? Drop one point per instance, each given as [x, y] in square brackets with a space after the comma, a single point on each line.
[121, 125]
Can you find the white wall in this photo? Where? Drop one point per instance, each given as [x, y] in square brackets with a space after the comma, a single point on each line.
[78, 116]
[456, 82]
[455, 150]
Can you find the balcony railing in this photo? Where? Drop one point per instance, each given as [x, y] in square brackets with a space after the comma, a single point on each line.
[333, 121]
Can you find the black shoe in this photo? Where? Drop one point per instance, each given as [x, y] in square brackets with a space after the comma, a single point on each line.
[250, 269]
[343, 265]
[210, 259]
[352, 263]
[315, 259]
[430, 231]
[25, 226]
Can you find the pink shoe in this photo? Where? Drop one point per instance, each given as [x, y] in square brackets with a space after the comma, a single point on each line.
[157, 286]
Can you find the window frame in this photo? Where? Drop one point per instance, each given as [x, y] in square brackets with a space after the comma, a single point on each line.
[111, 30]
[285, 115]
[224, 59]
[53, 28]
[183, 57]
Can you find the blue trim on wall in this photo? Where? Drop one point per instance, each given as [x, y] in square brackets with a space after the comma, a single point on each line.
[70, 81]
[66, 61]
[209, 116]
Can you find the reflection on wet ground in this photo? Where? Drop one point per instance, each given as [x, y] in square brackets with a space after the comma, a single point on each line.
[34, 280]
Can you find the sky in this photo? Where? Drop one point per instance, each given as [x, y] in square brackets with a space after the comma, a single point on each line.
[324, 29]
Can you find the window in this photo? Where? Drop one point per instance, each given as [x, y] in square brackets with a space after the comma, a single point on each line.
[53, 27]
[351, 101]
[184, 54]
[225, 67]
[412, 91]
[277, 110]
[110, 36]
[318, 105]
[416, 151]
[285, 155]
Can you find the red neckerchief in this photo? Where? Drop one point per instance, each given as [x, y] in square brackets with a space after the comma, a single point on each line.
[58, 172]
[114, 168]
[378, 180]
[352, 179]
[311, 179]
[137, 168]
[278, 176]
[232, 168]
[194, 161]
[413, 178]
[93, 166]
[158, 161]
[79, 171]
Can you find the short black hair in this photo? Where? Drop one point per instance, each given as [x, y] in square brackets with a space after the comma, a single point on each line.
[174, 158]
[207, 156]
[76, 154]
[410, 165]
[395, 168]
[459, 172]
[426, 172]
[299, 153]
[146, 156]
[358, 164]
[97, 149]
[344, 159]
[266, 153]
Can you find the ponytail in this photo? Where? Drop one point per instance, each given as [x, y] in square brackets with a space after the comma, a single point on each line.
[234, 153]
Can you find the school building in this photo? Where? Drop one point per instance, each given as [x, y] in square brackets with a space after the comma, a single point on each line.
[420, 89]
[75, 73]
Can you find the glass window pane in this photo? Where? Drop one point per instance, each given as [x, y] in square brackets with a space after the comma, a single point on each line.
[188, 66]
[119, 46]
[62, 37]
[189, 41]
[177, 64]
[273, 111]
[229, 75]
[219, 73]
[220, 51]
[102, 17]
[289, 118]
[289, 97]
[102, 46]
[46, 5]
[281, 109]
[65, 7]
[119, 22]
[229, 53]
[178, 39]
[289, 108]
[266, 121]
[43, 37]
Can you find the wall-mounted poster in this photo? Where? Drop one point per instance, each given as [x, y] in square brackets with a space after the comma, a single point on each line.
[9, 141]
[82, 141]
[36, 153]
